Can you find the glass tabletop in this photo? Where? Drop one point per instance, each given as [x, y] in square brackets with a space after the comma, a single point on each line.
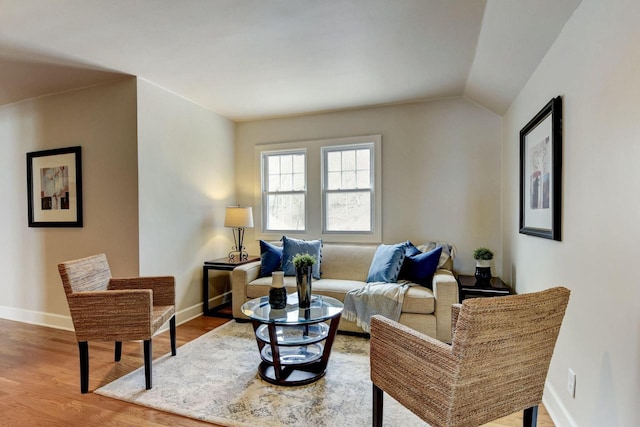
[322, 308]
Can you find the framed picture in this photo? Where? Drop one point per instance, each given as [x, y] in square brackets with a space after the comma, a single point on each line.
[541, 173]
[54, 187]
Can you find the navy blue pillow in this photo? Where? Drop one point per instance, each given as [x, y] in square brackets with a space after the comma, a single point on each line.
[386, 263]
[420, 268]
[270, 258]
[291, 247]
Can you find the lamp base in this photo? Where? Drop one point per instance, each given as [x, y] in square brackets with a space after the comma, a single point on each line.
[238, 256]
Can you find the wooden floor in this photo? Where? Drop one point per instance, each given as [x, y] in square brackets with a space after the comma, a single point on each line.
[40, 385]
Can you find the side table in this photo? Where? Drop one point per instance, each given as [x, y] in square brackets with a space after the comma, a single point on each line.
[468, 288]
[219, 264]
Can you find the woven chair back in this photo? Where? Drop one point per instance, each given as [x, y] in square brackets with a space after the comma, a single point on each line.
[501, 342]
[86, 274]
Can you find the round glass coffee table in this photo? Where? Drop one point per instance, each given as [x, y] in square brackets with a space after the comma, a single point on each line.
[294, 343]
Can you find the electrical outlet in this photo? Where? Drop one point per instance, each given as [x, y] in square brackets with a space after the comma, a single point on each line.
[571, 384]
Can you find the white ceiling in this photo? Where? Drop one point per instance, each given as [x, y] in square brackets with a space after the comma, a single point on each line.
[250, 59]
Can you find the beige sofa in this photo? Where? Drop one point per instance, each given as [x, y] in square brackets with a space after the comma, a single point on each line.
[345, 267]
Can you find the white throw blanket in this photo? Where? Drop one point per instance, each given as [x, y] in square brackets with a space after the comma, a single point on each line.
[374, 298]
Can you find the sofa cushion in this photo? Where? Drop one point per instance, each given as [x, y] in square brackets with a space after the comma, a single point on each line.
[291, 247]
[270, 258]
[348, 262]
[386, 263]
[419, 268]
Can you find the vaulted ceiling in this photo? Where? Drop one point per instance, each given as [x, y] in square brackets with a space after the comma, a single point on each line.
[251, 59]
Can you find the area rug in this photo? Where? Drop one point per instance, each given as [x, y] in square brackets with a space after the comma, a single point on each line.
[214, 378]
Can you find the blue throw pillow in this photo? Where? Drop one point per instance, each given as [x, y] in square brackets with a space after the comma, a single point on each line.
[291, 247]
[420, 268]
[410, 249]
[270, 258]
[386, 263]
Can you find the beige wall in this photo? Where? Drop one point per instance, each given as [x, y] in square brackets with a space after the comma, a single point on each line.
[595, 66]
[186, 179]
[102, 120]
[440, 168]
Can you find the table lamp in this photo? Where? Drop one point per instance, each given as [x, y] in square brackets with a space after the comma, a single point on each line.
[238, 218]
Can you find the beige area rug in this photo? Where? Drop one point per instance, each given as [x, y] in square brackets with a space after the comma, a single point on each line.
[214, 378]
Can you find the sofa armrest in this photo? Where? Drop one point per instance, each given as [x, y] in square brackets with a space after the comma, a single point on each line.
[240, 277]
[445, 291]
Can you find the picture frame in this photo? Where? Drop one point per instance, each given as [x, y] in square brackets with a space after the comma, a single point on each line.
[541, 173]
[54, 187]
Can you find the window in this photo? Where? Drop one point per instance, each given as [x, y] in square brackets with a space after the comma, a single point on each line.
[284, 191]
[325, 189]
[347, 190]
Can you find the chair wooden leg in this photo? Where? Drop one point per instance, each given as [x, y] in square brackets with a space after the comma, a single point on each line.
[530, 417]
[377, 406]
[147, 363]
[118, 352]
[84, 366]
[172, 332]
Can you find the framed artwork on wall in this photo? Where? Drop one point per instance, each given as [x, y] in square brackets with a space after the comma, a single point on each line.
[54, 188]
[541, 173]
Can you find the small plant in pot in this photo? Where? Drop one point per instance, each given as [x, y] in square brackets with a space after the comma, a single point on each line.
[303, 264]
[483, 257]
[303, 260]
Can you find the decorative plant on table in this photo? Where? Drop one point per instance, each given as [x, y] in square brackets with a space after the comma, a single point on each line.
[304, 265]
[483, 257]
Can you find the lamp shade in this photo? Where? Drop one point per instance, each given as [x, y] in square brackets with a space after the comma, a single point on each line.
[238, 217]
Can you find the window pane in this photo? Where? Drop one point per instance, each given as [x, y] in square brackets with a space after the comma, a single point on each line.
[363, 158]
[298, 163]
[274, 165]
[334, 161]
[274, 183]
[363, 179]
[348, 180]
[334, 180]
[348, 160]
[286, 182]
[349, 211]
[298, 182]
[286, 164]
[285, 212]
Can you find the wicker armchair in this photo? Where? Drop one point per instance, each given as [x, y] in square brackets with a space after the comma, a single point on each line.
[107, 309]
[496, 365]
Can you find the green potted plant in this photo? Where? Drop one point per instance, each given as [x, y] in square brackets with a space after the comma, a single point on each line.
[483, 257]
[303, 260]
[303, 264]
[483, 254]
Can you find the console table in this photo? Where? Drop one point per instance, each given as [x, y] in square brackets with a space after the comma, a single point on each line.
[220, 264]
[469, 289]
[294, 343]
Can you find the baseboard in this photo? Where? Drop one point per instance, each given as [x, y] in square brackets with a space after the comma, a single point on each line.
[39, 318]
[557, 411]
[58, 321]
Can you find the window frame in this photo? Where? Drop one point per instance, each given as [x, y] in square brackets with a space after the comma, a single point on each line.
[325, 191]
[265, 191]
[314, 223]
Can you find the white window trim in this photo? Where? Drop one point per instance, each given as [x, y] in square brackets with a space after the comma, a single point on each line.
[372, 190]
[314, 201]
[264, 192]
